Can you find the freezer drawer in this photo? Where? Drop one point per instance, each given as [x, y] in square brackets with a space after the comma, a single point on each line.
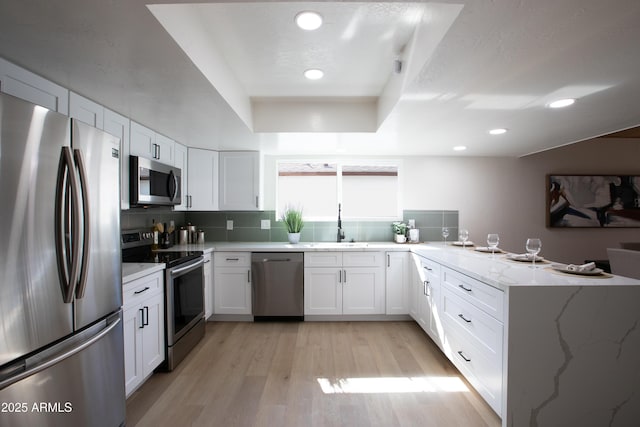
[277, 282]
[84, 389]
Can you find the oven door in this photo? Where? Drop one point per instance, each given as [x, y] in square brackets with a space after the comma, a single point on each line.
[184, 298]
[153, 183]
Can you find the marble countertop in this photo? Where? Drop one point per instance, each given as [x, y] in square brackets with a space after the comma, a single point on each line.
[502, 273]
[135, 270]
[299, 247]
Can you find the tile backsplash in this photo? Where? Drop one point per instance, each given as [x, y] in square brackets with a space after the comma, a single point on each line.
[247, 225]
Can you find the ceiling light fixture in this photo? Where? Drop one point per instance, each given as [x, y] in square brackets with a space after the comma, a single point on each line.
[314, 74]
[459, 148]
[308, 20]
[561, 103]
[498, 131]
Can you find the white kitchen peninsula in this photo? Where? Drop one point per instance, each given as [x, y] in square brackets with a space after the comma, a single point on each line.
[570, 344]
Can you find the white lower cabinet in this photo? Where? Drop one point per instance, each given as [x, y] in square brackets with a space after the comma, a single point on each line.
[232, 282]
[346, 283]
[208, 286]
[463, 316]
[143, 324]
[398, 282]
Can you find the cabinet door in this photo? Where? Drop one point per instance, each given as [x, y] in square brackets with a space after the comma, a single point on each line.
[118, 125]
[143, 141]
[322, 291]
[152, 333]
[240, 180]
[363, 291]
[398, 281]
[86, 111]
[208, 286]
[203, 179]
[435, 329]
[31, 87]
[232, 293]
[131, 321]
[164, 150]
[180, 161]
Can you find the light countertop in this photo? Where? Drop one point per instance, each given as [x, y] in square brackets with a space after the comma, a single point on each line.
[498, 271]
[135, 270]
[503, 273]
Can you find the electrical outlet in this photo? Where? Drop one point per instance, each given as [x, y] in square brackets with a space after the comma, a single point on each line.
[412, 223]
[229, 224]
[265, 224]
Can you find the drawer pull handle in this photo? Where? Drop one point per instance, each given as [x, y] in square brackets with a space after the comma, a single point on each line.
[463, 356]
[464, 318]
[233, 259]
[465, 288]
[144, 290]
[427, 268]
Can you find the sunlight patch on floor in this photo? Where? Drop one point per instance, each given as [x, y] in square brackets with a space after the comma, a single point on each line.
[392, 385]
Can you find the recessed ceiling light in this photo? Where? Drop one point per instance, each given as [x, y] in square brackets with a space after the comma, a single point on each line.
[498, 131]
[459, 148]
[308, 20]
[561, 103]
[314, 74]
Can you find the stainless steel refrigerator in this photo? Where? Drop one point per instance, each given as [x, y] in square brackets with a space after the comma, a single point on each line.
[61, 345]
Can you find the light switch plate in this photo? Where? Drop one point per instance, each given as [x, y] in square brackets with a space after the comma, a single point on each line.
[412, 223]
[229, 224]
[265, 224]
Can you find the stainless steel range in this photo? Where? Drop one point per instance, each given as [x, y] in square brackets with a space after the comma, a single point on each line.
[184, 292]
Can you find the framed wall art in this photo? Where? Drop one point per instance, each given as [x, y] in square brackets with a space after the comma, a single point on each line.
[605, 201]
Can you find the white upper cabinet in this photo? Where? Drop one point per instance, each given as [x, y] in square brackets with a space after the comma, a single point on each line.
[180, 161]
[118, 125]
[240, 180]
[86, 111]
[151, 145]
[202, 180]
[26, 85]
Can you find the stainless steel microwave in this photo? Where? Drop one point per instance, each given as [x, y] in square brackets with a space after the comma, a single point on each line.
[153, 183]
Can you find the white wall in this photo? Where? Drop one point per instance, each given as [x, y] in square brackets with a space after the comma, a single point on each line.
[508, 195]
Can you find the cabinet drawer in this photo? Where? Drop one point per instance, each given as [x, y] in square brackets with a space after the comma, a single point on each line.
[232, 259]
[362, 259]
[481, 369]
[429, 267]
[483, 296]
[323, 259]
[474, 323]
[140, 289]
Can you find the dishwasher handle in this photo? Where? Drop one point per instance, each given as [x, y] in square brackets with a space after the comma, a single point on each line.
[276, 260]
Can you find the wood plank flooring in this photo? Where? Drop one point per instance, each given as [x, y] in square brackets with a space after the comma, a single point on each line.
[267, 374]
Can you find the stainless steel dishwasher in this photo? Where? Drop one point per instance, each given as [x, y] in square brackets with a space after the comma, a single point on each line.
[277, 285]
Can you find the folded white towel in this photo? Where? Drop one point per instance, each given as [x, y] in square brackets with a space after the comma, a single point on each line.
[584, 267]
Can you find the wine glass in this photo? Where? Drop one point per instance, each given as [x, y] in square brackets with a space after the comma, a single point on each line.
[534, 245]
[492, 240]
[445, 234]
[463, 235]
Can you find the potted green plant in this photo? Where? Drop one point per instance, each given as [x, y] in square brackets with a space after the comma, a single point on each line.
[292, 220]
[399, 231]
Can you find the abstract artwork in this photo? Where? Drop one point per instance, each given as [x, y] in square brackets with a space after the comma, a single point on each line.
[593, 201]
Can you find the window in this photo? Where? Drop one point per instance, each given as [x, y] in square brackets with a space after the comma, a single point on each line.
[366, 190]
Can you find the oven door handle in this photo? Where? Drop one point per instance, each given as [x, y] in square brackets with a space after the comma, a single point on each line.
[191, 266]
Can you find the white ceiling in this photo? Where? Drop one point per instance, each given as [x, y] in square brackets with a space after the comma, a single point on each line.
[468, 66]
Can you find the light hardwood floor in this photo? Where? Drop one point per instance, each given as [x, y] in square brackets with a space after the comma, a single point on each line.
[266, 374]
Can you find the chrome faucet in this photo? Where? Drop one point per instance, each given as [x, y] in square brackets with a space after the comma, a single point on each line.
[340, 230]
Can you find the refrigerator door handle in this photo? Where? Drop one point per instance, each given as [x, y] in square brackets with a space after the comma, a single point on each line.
[66, 252]
[86, 224]
[57, 358]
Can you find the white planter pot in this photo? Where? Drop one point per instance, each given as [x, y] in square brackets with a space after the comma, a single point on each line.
[294, 238]
[401, 238]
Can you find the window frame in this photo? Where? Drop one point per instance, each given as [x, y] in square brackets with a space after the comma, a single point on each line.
[341, 162]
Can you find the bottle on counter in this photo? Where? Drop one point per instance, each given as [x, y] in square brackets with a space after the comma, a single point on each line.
[156, 235]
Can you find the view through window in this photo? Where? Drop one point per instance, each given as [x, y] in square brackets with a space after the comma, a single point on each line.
[366, 190]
